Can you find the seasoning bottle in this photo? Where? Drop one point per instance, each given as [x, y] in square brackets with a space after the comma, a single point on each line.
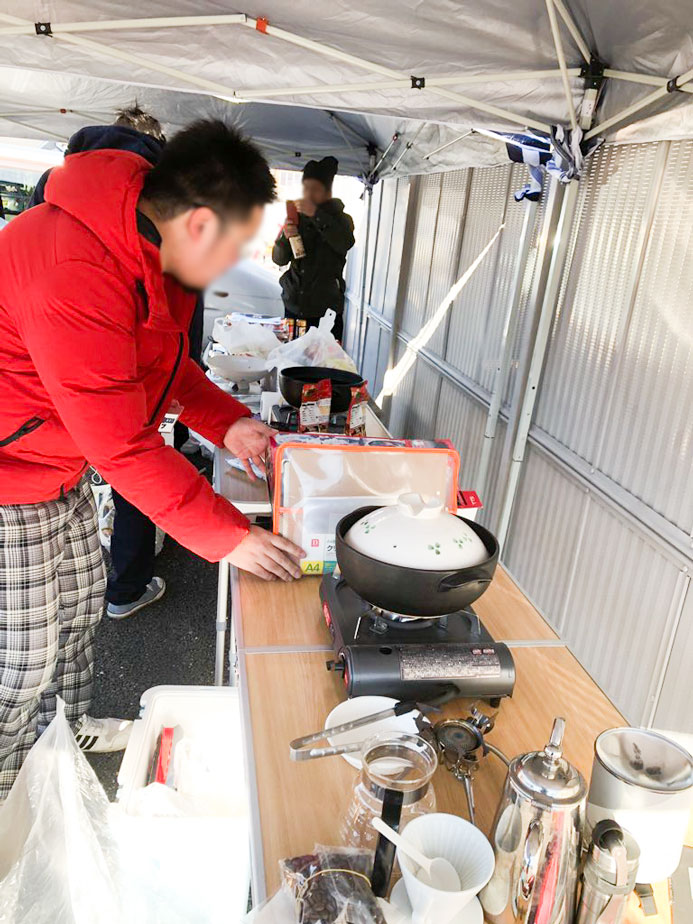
[296, 241]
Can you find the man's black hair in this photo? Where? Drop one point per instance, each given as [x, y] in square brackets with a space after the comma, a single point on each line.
[211, 164]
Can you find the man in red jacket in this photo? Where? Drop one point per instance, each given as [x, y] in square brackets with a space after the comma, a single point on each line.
[96, 293]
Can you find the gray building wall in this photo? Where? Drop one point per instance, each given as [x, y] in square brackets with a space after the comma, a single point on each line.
[601, 532]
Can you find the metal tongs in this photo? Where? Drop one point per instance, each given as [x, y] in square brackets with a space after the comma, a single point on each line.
[299, 750]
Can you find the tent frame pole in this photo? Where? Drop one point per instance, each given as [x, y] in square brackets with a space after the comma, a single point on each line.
[331, 52]
[640, 104]
[107, 51]
[504, 362]
[405, 83]
[408, 146]
[546, 315]
[573, 29]
[448, 144]
[111, 25]
[558, 45]
[647, 79]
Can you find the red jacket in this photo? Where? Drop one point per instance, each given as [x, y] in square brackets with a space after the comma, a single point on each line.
[93, 348]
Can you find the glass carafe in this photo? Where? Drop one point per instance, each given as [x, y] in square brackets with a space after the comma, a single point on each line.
[394, 784]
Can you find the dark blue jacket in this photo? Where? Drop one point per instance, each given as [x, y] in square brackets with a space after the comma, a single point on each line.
[100, 137]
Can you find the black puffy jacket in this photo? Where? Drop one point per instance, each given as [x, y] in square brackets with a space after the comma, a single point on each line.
[314, 283]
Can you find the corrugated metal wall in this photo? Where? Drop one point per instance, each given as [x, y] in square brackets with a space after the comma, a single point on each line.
[602, 526]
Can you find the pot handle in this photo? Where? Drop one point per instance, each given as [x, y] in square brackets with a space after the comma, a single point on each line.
[466, 576]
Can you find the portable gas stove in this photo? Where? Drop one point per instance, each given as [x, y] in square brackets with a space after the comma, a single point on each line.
[380, 653]
[286, 418]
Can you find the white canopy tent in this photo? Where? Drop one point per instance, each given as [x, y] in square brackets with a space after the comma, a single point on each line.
[437, 77]
[552, 341]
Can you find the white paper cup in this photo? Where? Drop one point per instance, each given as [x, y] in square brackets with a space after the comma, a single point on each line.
[440, 835]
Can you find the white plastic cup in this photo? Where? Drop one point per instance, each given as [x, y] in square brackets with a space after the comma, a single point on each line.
[441, 835]
[267, 401]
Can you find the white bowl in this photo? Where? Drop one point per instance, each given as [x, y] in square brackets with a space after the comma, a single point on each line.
[460, 842]
[238, 369]
[417, 533]
[359, 707]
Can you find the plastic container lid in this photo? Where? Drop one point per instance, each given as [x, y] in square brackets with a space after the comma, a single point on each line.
[546, 776]
[646, 759]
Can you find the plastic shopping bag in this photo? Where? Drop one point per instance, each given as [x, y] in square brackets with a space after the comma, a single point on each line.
[241, 338]
[317, 347]
[58, 859]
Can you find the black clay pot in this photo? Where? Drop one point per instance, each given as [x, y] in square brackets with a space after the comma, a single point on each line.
[413, 591]
[292, 380]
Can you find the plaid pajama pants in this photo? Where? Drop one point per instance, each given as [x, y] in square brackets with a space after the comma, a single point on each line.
[52, 586]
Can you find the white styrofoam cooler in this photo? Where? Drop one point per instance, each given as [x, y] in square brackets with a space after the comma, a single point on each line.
[205, 859]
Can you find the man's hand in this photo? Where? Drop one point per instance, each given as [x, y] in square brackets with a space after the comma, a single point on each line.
[268, 556]
[306, 207]
[248, 440]
[290, 229]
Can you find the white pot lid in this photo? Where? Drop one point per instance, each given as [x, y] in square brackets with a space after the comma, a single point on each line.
[417, 533]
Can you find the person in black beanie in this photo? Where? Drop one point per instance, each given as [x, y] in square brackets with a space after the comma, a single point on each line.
[314, 282]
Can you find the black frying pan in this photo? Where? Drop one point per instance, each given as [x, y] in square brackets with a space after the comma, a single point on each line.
[413, 591]
[292, 380]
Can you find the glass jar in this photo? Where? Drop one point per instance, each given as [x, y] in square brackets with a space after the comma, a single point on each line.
[394, 784]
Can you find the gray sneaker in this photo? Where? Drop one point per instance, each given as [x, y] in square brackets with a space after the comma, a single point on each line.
[156, 588]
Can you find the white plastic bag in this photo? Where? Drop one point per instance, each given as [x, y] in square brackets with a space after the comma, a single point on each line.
[105, 509]
[58, 859]
[317, 347]
[240, 338]
[68, 856]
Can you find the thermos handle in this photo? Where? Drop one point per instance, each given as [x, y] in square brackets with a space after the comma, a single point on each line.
[528, 871]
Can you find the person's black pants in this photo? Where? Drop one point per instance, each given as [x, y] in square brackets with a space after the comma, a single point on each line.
[337, 329]
[132, 553]
[133, 542]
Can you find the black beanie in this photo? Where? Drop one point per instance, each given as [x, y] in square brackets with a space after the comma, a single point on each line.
[324, 170]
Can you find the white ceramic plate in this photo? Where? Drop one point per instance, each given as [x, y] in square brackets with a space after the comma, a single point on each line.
[471, 914]
[357, 708]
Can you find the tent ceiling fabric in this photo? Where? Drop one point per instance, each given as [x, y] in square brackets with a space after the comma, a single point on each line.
[394, 40]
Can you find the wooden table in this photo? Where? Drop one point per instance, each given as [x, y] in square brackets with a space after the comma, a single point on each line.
[286, 691]
[279, 652]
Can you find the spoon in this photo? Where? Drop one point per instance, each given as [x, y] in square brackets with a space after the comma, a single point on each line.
[438, 873]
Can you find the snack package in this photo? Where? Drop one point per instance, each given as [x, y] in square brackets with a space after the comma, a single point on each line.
[314, 412]
[356, 415]
[331, 886]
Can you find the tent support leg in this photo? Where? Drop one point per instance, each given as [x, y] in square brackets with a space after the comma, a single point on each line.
[507, 343]
[364, 275]
[546, 315]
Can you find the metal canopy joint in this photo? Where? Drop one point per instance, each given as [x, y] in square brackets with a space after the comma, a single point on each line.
[418, 83]
[43, 28]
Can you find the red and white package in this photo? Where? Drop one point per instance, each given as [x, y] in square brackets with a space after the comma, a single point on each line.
[356, 415]
[314, 412]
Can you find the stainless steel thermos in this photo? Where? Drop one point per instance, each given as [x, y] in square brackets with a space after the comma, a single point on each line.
[609, 875]
[537, 839]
